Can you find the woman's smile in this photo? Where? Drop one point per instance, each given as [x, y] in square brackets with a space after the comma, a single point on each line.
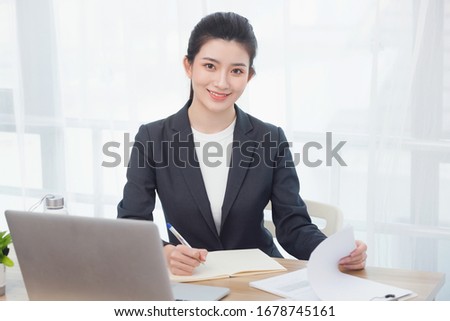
[217, 95]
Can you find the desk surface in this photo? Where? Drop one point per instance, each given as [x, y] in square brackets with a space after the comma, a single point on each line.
[425, 284]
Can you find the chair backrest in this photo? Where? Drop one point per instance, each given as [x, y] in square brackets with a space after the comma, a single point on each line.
[331, 214]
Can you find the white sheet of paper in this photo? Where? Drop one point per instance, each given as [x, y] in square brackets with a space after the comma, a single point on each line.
[323, 280]
[323, 265]
[330, 284]
[292, 285]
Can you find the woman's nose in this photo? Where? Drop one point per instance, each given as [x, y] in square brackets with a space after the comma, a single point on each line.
[222, 80]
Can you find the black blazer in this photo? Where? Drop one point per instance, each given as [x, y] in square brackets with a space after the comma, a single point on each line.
[163, 160]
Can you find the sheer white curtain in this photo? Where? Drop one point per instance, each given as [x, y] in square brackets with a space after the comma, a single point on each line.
[75, 75]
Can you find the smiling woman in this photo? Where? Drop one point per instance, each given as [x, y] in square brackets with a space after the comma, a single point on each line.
[220, 205]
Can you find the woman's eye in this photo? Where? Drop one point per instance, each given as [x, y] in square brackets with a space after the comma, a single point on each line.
[237, 71]
[209, 66]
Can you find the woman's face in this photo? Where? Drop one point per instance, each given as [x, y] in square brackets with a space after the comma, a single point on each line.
[219, 73]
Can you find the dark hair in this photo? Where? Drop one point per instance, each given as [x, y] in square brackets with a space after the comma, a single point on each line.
[222, 25]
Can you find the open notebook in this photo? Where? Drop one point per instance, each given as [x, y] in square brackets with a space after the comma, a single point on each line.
[232, 263]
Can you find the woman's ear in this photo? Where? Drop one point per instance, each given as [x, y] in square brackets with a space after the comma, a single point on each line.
[251, 74]
[187, 67]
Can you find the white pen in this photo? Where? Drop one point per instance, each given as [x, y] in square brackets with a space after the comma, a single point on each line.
[179, 237]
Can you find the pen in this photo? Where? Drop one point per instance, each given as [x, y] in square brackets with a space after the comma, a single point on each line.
[179, 237]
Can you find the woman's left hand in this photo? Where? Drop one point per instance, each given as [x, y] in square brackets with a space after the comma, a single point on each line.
[356, 260]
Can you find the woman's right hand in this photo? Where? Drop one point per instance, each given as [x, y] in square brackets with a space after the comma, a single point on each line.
[182, 260]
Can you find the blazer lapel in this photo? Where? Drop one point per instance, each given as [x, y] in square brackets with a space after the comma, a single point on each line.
[243, 149]
[190, 169]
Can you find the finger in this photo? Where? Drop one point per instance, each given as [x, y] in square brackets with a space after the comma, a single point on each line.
[360, 262]
[358, 266]
[177, 269]
[353, 259]
[354, 263]
[186, 255]
[180, 264]
[345, 260]
[361, 247]
[203, 254]
[198, 254]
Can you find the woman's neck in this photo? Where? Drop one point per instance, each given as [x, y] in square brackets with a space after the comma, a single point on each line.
[210, 122]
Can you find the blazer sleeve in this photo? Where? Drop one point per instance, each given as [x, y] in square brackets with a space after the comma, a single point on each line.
[294, 229]
[139, 191]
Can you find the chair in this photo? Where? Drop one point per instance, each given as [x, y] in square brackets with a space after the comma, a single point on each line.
[332, 216]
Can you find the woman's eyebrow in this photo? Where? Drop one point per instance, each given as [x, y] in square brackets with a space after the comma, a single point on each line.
[237, 64]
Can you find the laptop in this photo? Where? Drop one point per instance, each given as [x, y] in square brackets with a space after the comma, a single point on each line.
[66, 257]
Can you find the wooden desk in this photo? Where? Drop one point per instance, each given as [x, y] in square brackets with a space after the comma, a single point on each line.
[425, 284]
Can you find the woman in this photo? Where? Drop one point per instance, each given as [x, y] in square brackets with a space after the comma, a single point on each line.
[214, 167]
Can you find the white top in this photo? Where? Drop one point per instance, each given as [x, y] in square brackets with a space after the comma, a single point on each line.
[214, 156]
